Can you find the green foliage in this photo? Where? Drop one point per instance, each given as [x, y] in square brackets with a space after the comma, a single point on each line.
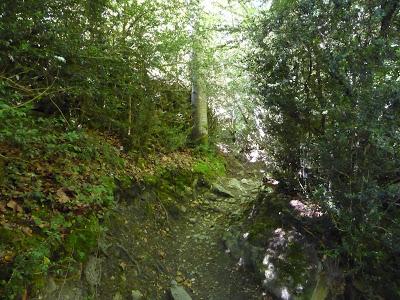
[108, 65]
[293, 269]
[327, 72]
[40, 255]
[269, 206]
[83, 239]
[79, 80]
[28, 266]
[63, 180]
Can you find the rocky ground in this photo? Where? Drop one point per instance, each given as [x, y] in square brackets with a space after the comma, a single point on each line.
[138, 258]
[198, 257]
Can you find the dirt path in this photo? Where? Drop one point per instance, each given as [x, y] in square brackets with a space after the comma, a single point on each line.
[198, 256]
[141, 254]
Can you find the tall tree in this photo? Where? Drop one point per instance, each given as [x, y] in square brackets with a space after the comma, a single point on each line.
[199, 104]
[198, 98]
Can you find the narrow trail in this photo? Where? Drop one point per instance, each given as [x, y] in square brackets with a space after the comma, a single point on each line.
[138, 257]
[198, 254]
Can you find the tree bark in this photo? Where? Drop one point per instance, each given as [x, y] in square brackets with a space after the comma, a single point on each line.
[199, 99]
[200, 109]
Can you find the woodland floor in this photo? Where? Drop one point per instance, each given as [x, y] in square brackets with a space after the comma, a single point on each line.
[138, 254]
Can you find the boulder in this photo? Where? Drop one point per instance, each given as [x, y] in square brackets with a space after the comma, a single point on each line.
[68, 291]
[92, 271]
[177, 292]
[233, 183]
[220, 190]
[249, 257]
[231, 243]
[210, 196]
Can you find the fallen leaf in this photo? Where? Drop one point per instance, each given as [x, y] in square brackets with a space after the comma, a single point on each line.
[187, 283]
[14, 206]
[27, 230]
[62, 196]
[162, 254]
[123, 265]
[43, 225]
[9, 257]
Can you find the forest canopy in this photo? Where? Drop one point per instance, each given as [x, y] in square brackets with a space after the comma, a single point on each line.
[112, 65]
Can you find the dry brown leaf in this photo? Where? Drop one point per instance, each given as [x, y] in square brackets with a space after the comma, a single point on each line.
[123, 266]
[14, 206]
[20, 209]
[187, 283]
[161, 254]
[43, 225]
[9, 257]
[27, 230]
[62, 197]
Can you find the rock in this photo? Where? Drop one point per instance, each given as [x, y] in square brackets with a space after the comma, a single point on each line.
[246, 181]
[233, 183]
[93, 271]
[177, 292]
[103, 245]
[250, 257]
[51, 286]
[65, 292]
[210, 196]
[220, 190]
[137, 295]
[71, 294]
[241, 173]
[68, 290]
[231, 243]
[251, 184]
[50, 289]
[288, 247]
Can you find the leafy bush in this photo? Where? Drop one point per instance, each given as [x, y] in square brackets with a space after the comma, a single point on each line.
[327, 72]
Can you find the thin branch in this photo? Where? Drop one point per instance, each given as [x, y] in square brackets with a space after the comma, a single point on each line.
[62, 114]
[27, 102]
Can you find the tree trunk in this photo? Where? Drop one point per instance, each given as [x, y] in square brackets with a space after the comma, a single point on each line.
[130, 116]
[199, 106]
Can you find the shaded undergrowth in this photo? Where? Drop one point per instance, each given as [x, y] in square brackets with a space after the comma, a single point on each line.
[57, 186]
